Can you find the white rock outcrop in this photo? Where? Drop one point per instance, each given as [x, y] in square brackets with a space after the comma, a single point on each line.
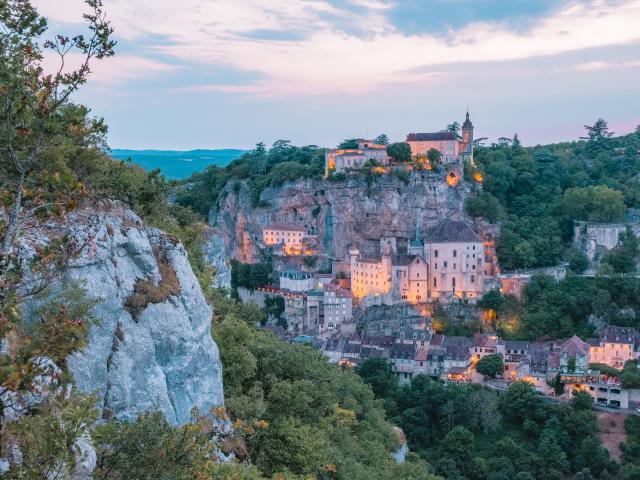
[158, 356]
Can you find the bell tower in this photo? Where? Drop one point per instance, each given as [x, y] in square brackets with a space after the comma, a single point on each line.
[466, 144]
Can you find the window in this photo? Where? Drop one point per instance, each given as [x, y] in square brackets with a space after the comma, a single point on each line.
[435, 282]
[435, 253]
[473, 278]
[455, 253]
[445, 265]
[453, 282]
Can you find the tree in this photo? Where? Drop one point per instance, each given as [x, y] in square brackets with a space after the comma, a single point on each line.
[377, 373]
[582, 401]
[349, 144]
[594, 204]
[491, 365]
[381, 139]
[524, 255]
[434, 156]
[150, 448]
[34, 102]
[399, 152]
[455, 129]
[597, 135]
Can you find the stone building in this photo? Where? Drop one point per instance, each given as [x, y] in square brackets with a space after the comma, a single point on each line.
[594, 239]
[341, 160]
[615, 346]
[449, 266]
[452, 149]
[455, 255]
[288, 236]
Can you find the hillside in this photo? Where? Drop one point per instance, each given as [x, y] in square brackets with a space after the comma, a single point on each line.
[177, 165]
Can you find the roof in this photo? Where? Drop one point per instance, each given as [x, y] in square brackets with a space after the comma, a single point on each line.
[437, 340]
[619, 335]
[453, 231]
[427, 137]
[483, 340]
[467, 123]
[457, 352]
[457, 341]
[285, 226]
[403, 350]
[516, 345]
[575, 346]
[402, 260]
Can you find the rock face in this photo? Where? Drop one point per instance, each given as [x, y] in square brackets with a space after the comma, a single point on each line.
[345, 213]
[154, 353]
[214, 252]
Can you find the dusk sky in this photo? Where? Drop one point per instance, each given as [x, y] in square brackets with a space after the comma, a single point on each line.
[230, 73]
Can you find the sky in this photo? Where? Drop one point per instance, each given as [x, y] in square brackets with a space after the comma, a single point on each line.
[230, 73]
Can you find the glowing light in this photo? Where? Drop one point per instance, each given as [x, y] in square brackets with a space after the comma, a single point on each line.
[477, 176]
[452, 179]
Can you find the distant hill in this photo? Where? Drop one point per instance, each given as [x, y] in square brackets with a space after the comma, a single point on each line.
[176, 164]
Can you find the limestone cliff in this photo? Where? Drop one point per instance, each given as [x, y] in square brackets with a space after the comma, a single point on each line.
[151, 346]
[344, 213]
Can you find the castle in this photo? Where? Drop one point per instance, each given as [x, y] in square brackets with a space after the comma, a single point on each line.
[453, 150]
[449, 265]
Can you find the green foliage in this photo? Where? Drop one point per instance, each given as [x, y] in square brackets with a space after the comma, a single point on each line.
[468, 431]
[349, 144]
[491, 365]
[595, 204]
[249, 275]
[150, 448]
[434, 156]
[630, 376]
[377, 373]
[484, 205]
[381, 139]
[318, 415]
[542, 189]
[46, 436]
[254, 171]
[622, 258]
[582, 401]
[400, 152]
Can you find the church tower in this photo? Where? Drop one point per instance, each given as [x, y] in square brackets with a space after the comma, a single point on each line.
[466, 144]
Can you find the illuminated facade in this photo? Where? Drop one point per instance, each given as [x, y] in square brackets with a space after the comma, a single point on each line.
[452, 149]
[341, 160]
[615, 346]
[290, 238]
[456, 259]
[449, 266]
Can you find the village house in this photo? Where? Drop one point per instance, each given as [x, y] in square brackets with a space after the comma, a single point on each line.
[483, 345]
[290, 238]
[458, 361]
[615, 346]
[403, 360]
[342, 160]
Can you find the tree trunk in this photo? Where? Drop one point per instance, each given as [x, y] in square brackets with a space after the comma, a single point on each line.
[12, 224]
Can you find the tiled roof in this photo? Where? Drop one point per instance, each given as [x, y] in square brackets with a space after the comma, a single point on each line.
[575, 346]
[482, 340]
[619, 335]
[402, 260]
[437, 340]
[457, 352]
[426, 137]
[403, 350]
[453, 231]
